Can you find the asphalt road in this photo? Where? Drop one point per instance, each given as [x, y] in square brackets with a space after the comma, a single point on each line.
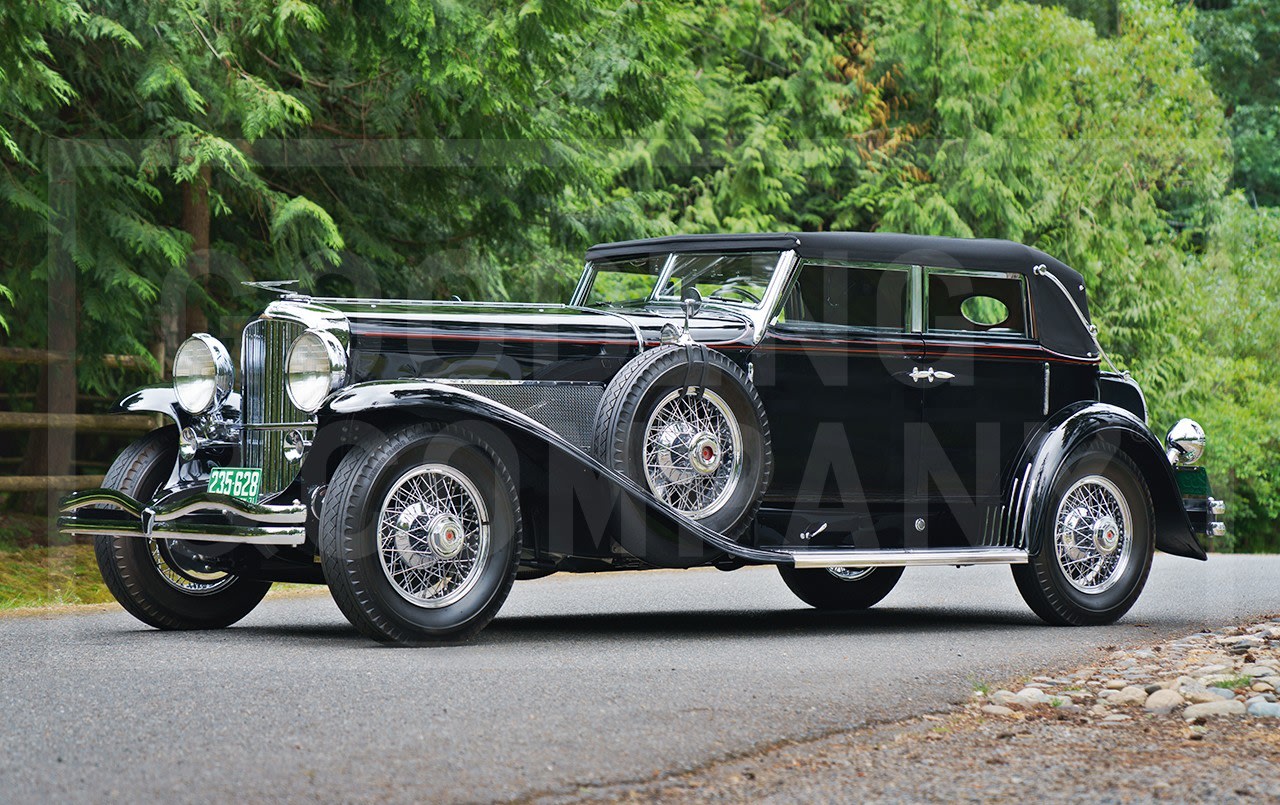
[581, 680]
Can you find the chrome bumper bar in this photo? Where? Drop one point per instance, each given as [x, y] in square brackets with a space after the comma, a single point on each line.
[118, 515]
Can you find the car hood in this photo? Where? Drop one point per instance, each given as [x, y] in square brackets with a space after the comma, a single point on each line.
[392, 339]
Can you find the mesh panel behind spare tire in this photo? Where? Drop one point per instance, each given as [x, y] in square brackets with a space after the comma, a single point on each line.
[687, 424]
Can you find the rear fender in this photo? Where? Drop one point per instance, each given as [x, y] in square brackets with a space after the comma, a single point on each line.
[573, 504]
[1028, 496]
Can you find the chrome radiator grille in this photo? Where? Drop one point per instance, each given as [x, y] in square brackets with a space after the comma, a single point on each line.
[268, 413]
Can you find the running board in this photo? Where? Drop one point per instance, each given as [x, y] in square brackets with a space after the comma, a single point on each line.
[907, 557]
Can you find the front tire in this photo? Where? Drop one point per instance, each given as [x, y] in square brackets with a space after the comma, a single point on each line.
[420, 536]
[1095, 543]
[841, 588]
[147, 576]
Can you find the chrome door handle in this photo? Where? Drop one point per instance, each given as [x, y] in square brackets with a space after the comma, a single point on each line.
[918, 374]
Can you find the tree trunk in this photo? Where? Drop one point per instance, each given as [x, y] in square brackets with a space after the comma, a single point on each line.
[195, 222]
[52, 451]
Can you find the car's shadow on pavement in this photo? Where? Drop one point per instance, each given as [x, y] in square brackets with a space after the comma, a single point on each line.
[698, 625]
[767, 624]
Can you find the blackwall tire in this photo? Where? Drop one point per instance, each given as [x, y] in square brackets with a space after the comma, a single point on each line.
[843, 589]
[143, 574]
[673, 419]
[1075, 577]
[420, 536]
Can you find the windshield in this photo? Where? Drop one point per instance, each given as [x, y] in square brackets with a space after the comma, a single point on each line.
[738, 278]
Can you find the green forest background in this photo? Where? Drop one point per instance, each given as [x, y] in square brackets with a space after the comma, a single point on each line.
[155, 154]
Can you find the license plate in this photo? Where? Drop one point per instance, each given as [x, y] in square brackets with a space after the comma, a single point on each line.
[238, 482]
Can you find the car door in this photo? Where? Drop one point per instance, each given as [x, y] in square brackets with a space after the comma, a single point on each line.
[983, 382]
[833, 371]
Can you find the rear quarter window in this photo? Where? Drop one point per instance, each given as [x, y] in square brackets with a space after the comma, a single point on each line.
[960, 302]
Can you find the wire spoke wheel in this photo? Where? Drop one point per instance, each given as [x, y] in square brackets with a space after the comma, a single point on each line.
[1093, 534]
[180, 577]
[433, 535]
[692, 452]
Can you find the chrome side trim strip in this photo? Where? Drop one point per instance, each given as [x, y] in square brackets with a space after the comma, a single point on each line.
[630, 322]
[908, 557]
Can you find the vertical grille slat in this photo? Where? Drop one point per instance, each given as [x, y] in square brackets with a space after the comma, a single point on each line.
[266, 405]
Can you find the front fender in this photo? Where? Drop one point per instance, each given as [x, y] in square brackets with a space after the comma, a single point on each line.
[161, 399]
[1028, 499]
[158, 399]
[561, 481]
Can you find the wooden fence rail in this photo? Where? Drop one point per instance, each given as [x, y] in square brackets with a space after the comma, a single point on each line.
[40, 356]
[41, 483]
[130, 423]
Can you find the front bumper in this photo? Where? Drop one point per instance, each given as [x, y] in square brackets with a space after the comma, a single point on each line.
[200, 516]
[1203, 510]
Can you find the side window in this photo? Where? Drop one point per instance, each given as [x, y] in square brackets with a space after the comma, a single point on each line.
[849, 296]
[976, 303]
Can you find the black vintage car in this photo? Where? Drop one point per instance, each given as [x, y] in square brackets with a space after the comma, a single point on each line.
[840, 405]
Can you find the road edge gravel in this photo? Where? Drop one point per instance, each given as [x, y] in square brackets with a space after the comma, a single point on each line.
[1149, 722]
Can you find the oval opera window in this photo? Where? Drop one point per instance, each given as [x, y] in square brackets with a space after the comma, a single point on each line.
[985, 311]
[976, 302]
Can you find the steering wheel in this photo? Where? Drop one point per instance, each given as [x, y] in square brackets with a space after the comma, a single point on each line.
[738, 290]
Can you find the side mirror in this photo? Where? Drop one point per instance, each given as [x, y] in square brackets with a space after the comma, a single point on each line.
[690, 300]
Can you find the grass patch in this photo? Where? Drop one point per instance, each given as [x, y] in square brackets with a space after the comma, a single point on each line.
[39, 567]
[982, 687]
[41, 576]
[1234, 683]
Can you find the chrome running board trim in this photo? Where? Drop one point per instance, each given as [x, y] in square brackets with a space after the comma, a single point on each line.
[907, 557]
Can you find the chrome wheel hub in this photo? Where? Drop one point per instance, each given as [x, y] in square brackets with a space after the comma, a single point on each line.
[1093, 537]
[1106, 535]
[705, 454]
[691, 455]
[850, 573]
[424, 534]
[433, 535]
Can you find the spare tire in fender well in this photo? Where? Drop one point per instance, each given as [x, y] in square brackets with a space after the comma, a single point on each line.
[687, 423]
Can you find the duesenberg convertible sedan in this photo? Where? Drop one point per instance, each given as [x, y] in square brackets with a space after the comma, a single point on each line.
[839, 405]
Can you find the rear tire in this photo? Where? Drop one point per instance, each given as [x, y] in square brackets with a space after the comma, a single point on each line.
[1077, 577]
[144, 575]
[841, 588]
[420, 536]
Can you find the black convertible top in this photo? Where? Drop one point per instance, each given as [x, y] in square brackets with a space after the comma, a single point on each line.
[1057, 325]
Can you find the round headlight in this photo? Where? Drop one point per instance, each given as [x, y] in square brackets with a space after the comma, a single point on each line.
[202, 373]
[315, 367]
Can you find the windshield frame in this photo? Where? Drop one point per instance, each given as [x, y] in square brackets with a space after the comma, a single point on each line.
[757, 313]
